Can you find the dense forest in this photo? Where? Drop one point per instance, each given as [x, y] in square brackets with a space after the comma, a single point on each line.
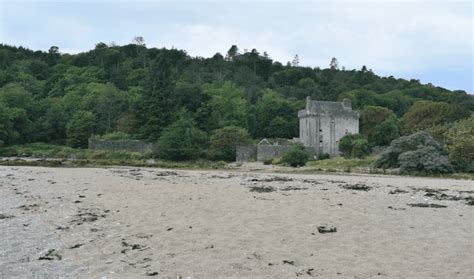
[132, 91]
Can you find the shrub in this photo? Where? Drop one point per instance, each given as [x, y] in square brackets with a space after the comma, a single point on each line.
[424, 160]
[324, 156]
[295, 157]
[354, 146]
[460, 144]
[181, 141]
[360, 148]
[224, 141]
[416, 153]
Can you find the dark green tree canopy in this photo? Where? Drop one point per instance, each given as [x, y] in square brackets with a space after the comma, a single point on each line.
[140, 91]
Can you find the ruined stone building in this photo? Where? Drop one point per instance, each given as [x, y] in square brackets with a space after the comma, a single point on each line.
[323, 124]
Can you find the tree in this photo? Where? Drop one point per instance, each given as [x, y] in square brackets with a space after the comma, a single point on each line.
[156, 103]
[223, 142]
[107, 102]
[354, 146]
[276, 116]
[416, 153]
[334, 65]
[80, 128]
[360, 148]
[371, 116]
[8, 134]
[460, 144]
[53, 50]
[181, 141]
[295, 157]
[425, 160]
[227, 105]
[232, 53]
[385, 132]
[427, 114]
[140, 48]
[296, 61]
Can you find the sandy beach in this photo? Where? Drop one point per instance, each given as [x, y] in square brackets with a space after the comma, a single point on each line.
[144, 222]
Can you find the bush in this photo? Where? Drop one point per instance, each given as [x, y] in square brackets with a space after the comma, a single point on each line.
[460, 144]
[360, 148]
[181, 141]
[295, 157]
[426, 160]
[416, 153]
[354, 146]
[324, 156]
[224, 141]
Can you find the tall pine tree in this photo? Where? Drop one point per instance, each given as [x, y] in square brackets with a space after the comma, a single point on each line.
[156, 103]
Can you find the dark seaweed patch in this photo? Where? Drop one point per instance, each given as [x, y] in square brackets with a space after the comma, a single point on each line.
[430, 205]
[261, 189]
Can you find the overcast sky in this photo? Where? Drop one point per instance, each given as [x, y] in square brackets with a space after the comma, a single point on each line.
[427, 40]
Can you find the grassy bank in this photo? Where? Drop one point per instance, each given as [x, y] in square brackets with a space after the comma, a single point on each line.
[340, 164]
[49, 155]
[43, 150]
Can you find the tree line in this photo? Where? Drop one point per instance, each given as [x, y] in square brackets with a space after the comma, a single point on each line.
[137, 92]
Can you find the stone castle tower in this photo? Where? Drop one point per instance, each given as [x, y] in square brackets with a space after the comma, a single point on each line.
[323, 124]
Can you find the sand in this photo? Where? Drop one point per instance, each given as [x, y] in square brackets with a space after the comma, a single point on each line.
[130, 222]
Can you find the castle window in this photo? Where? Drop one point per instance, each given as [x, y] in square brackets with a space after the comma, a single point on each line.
[345, 132]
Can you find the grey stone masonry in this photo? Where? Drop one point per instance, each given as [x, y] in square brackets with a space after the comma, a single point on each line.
[139, 146]
[323, 124]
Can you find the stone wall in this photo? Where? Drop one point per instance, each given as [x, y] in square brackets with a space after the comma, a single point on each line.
[245, 153]
[264, 152]
[139, 146]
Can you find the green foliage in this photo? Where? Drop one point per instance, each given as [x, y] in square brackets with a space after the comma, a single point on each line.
[156, 104]
[425, 160]
[427, 114]
[354, 146]
[342, 164]
[181, 141]
[379, 124]
[140, 91]
[44, 150]
[460, 144]
[360, 148]
[276, 117]
[227, 105]
[223, 142]
[295, 157]
[403, 153]
[324, 156]
[385, 132]
[80, 128]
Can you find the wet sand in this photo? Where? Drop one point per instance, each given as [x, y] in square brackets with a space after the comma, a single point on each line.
[130, 222]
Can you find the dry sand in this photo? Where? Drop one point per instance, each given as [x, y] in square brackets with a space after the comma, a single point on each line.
[129, 222]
